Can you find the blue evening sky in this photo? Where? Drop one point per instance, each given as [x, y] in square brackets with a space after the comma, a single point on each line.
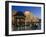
[35, 10]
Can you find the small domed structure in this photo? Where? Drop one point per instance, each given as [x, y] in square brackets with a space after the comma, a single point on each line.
[28, 15]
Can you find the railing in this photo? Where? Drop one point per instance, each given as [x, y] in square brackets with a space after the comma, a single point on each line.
[27, 26]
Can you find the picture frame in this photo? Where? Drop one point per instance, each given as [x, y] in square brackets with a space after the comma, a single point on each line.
[25, 7]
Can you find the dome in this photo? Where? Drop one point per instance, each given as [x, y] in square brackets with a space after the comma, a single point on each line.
[20, 13]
